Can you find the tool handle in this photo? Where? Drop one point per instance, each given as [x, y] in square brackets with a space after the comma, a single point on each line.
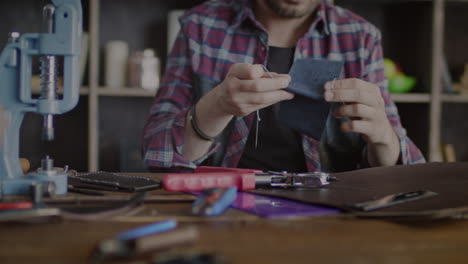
[193, 182]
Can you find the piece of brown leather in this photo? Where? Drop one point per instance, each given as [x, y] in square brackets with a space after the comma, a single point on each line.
[449, 180]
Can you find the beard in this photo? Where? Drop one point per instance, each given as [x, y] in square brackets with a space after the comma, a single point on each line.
[290, 10]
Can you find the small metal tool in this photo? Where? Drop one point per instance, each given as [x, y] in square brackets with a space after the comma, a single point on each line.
[393, 199]
[288, 179]
[213, 202]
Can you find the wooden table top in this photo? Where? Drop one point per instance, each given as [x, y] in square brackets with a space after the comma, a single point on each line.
[243, 238]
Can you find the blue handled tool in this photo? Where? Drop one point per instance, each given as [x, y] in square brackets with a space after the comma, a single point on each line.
[148, 230]
[213, 202]
[61, 36]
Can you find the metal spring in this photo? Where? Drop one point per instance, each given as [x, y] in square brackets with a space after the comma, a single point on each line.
[48, 77]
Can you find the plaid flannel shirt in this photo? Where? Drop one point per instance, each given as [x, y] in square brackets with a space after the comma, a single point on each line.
[217, 34]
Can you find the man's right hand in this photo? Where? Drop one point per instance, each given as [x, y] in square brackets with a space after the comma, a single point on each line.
[248, 88]
[245, 89]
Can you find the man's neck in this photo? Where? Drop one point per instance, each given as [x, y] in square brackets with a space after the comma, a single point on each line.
[282, 31]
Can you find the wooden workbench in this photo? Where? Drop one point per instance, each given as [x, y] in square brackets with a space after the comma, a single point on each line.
[244, 238]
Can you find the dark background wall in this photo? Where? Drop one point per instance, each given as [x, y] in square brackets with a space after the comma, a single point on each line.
[406, 28]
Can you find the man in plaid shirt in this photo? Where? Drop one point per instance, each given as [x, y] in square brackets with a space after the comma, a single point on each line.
[205, 110]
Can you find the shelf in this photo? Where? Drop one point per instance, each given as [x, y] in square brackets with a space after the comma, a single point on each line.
[411, 98]
[125, 92]
[454, 98]
[83, 91]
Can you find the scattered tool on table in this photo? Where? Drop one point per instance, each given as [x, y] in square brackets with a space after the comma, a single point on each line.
[244, 179]
[214, 201]
[15, 205]
[148, 230]
[393, 199]
[108, 181]
[145, 239]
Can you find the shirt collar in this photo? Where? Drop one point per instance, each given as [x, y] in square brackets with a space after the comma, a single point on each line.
[244, 9]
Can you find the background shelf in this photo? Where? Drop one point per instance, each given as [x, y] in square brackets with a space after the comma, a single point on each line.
[105, 128]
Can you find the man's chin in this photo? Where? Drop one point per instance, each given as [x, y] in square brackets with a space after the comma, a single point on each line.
[290, 8]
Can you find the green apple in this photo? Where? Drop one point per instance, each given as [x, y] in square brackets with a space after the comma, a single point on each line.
[401, 83]
[390, 68]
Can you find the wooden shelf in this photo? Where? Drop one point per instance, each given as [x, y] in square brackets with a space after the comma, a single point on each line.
[125, 92]
[454, 98]
[411, 98]
[83, 91]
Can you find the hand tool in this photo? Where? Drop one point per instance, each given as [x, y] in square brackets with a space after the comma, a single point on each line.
[393, 199]
[28, 214]
[61, 36]
[142, 244]
[244, 179]
[15, 205]
[148, 230]
[108, 181]
[213, 202]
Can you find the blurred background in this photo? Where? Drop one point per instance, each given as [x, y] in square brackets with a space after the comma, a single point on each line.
[425, 45]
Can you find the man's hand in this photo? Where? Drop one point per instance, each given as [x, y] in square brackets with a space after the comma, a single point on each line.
[364, 105]
[245, 89]
[248, 88]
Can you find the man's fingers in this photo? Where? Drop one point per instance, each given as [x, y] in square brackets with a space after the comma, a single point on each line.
[245, 71]
[266, 98]
[264, 84]
[246, 103]
[353, 91]
[360, 111]
[357, 126]
[347, 83]
[276, 75]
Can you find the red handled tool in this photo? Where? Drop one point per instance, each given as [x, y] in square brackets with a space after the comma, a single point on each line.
[244, 179]
[15, 205]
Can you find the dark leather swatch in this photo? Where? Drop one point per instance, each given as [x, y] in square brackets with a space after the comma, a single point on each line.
[307, 113]
[447, 179]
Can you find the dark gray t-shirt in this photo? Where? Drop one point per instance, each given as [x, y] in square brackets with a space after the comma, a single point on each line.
[279, 148]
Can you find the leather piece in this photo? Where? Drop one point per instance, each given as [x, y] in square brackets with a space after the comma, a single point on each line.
[449, 180]
[307, 112]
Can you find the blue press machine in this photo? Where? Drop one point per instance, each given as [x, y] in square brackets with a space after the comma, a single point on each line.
[62, 30]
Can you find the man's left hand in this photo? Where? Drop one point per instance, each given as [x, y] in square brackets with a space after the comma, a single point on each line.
[365, 107]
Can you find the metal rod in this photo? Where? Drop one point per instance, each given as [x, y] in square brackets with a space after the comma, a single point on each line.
[48, 73]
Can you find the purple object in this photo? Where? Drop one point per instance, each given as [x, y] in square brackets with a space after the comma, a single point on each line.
[273, 207]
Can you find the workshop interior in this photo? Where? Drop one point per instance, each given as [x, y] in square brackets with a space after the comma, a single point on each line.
[78, 79]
